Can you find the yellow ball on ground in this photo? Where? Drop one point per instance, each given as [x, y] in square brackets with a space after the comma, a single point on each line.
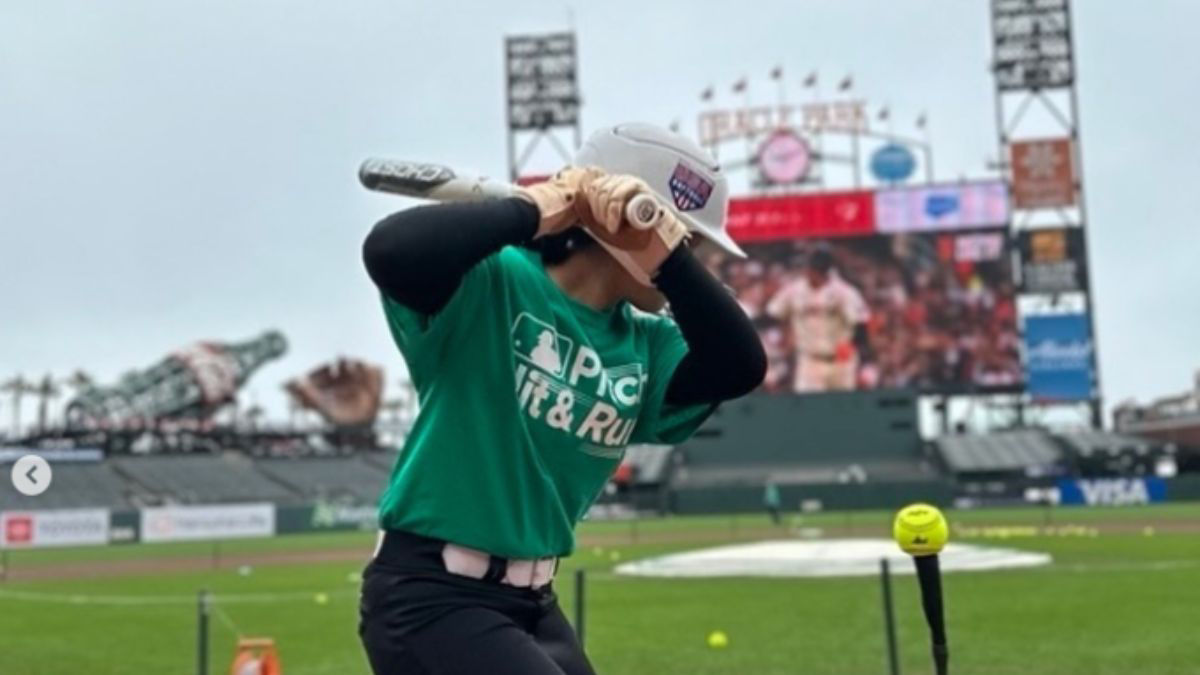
[614, 556]
[718, 639]
[920, 530]
[321, 598]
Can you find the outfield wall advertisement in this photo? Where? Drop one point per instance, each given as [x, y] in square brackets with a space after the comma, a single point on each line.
[67, 527]
[324, 516]
[181, 523]
[1112, 491]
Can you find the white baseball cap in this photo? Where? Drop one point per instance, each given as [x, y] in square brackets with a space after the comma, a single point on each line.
[680, 172]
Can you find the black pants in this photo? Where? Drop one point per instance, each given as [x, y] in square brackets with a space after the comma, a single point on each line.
[417, 619]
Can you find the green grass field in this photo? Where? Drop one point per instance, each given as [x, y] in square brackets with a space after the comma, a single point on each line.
[1118, 599]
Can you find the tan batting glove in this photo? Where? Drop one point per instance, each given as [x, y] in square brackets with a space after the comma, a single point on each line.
[556, 199]
[640, 251]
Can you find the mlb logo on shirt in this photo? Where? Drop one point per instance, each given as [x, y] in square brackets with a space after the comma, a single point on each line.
[689, 189]
[536, 342]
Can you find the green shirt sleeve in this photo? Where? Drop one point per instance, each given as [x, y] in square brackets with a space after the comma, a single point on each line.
[659, 422]
[423, 339]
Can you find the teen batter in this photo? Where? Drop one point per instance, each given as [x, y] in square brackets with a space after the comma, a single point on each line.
[534, 371]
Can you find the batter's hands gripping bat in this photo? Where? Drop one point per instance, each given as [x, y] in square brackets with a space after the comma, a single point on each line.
[443, 184]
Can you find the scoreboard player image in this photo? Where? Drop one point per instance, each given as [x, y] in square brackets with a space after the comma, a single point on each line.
[920, 311]
[826, 318]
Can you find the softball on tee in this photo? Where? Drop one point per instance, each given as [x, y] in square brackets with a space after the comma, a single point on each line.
[920, 530]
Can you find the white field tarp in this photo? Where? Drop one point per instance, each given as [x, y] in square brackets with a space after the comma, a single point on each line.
[822, 558]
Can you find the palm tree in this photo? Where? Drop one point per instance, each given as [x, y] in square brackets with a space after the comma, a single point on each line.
[18, 386]
[45, 390]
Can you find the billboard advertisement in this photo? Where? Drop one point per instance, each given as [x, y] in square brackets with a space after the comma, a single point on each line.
[67, 527]
[1052, 260]
[829, 214]
[1058, 357]
[1043, 173]
[325, 515]
[928, 311]
[180, 523]
[1111, 491]
[942, 207]
[892, 163]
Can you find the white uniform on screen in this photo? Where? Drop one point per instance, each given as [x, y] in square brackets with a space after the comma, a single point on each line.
[821, 310]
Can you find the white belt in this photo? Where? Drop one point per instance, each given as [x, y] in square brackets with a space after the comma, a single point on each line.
[523, 573]
[519, 572]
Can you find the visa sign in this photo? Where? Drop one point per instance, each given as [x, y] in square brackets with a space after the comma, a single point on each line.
[1112, 491]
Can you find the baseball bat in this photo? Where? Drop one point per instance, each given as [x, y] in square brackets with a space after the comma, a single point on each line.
[441, 183]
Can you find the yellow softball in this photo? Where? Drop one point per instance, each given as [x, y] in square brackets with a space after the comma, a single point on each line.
[920, 529]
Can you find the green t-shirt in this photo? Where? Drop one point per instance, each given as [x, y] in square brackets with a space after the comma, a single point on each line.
[528, 399]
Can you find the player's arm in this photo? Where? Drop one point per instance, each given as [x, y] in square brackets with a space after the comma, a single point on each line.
[725, 358]
[418, 256]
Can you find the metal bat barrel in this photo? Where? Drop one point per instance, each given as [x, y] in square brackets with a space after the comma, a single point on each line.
[435, 181]
[429, 181]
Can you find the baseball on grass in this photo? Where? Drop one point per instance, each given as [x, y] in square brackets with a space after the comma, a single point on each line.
[718, 639]
[920, 529]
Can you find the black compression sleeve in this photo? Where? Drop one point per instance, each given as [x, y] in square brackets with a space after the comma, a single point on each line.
[725, 357]
[418, 256]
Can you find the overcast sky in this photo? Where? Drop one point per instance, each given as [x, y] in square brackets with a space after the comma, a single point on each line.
[171, 171]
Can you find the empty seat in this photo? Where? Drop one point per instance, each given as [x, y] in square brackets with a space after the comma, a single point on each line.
[202, 479]
[74, 485]
[328, 477]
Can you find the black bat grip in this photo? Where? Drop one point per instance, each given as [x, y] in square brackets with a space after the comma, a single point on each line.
[929, 576]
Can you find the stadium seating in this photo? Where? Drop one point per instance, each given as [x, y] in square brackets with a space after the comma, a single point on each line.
[1087, 443]
[804, 474]
[1104, 453]
[77, 485]
[328, 477]
[1023, 452]
[202, 478]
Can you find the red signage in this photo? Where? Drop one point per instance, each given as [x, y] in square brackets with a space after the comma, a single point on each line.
[1043, 173]
[18, 529]
[831, 214]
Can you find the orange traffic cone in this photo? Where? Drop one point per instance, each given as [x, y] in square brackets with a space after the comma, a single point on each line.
[255, 656]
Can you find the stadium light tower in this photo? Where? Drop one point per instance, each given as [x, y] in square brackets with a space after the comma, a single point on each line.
[542, 95]
[1037, 122]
